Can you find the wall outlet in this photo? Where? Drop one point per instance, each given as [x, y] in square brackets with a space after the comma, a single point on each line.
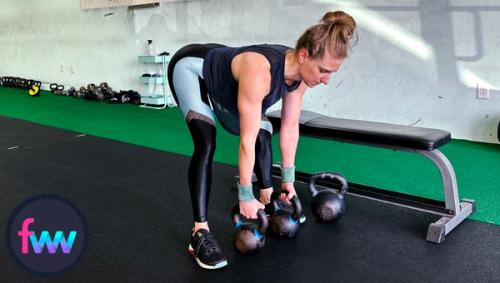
[482, 92]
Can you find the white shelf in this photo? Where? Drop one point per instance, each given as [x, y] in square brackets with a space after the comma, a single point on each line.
[153, 80]
[156, 94]
[152, 100]
[154, 59]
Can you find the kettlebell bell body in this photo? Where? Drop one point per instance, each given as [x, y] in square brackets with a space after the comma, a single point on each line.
[249, 238]
[248, 241]
[328, 205]
[285, 222]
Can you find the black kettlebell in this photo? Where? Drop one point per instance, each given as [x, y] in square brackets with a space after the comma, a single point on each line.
[284, 221]
[327, 204]
[249, 238]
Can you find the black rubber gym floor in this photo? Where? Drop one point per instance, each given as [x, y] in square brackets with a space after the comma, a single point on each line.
[137, 206]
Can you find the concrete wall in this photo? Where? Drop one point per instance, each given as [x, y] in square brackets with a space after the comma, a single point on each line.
[417, 62]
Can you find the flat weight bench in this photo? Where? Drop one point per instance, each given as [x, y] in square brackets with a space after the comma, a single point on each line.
[423, 141]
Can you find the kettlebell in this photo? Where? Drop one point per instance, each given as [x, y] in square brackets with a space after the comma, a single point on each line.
[249, 238]
[34, 90]
[327, 204]
[284, 221]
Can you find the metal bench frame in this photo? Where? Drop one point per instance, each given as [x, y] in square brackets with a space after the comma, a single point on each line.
[453, 211]
[459, 210]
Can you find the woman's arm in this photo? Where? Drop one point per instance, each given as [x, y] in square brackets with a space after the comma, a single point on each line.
[289, 132]
[252, 71]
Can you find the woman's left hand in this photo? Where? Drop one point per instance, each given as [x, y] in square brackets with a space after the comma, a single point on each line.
[288, 187]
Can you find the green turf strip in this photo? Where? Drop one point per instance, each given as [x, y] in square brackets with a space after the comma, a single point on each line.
[476, 164]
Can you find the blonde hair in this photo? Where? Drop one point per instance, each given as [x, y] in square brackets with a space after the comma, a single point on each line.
[335, 31]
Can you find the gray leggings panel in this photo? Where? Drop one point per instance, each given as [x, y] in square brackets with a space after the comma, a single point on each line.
[266, 125]
[186, 75]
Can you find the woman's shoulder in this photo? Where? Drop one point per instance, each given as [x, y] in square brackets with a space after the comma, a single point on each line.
[267, 48]
[251, 61]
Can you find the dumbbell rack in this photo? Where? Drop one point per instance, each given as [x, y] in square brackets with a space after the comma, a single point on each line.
[151, 97]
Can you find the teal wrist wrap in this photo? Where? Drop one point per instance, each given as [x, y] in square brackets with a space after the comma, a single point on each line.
[288, 174]
[245, 193]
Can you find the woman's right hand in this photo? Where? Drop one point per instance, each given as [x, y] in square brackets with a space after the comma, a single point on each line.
[249, 208]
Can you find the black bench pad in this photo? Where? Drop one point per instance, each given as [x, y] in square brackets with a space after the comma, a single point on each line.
[363, 132]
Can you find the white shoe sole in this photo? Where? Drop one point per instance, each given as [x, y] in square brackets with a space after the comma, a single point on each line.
[201, 264]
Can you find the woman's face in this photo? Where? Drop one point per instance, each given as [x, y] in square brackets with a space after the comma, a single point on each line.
[315, 71]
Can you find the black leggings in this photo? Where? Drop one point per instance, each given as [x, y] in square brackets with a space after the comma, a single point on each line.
[203, 133]
[200, 168]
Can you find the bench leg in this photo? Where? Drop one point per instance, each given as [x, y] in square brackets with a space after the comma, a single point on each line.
[439, 229]
[459, 210]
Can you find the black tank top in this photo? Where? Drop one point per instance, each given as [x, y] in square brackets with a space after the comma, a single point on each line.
[223, 88]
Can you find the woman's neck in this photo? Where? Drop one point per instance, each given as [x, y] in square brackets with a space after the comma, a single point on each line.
[291, 67]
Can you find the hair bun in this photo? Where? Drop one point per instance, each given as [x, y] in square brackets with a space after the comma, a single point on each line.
[335, 32]
[337, 17]
[331, 17]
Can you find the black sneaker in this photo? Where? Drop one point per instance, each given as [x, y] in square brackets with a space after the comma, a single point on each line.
[283, 205]
[206, 251]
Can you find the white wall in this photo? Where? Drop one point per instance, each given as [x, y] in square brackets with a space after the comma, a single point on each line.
[417, 62]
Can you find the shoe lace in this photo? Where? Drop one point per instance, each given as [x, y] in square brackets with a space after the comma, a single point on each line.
[209, 244]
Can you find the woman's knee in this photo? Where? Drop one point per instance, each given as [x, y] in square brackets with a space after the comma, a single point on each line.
[203, 132]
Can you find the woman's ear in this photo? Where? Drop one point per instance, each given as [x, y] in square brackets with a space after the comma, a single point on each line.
[302, 55]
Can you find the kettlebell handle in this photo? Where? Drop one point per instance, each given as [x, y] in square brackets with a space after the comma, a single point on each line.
[240, 221]
[330, 177]
[297, 206]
